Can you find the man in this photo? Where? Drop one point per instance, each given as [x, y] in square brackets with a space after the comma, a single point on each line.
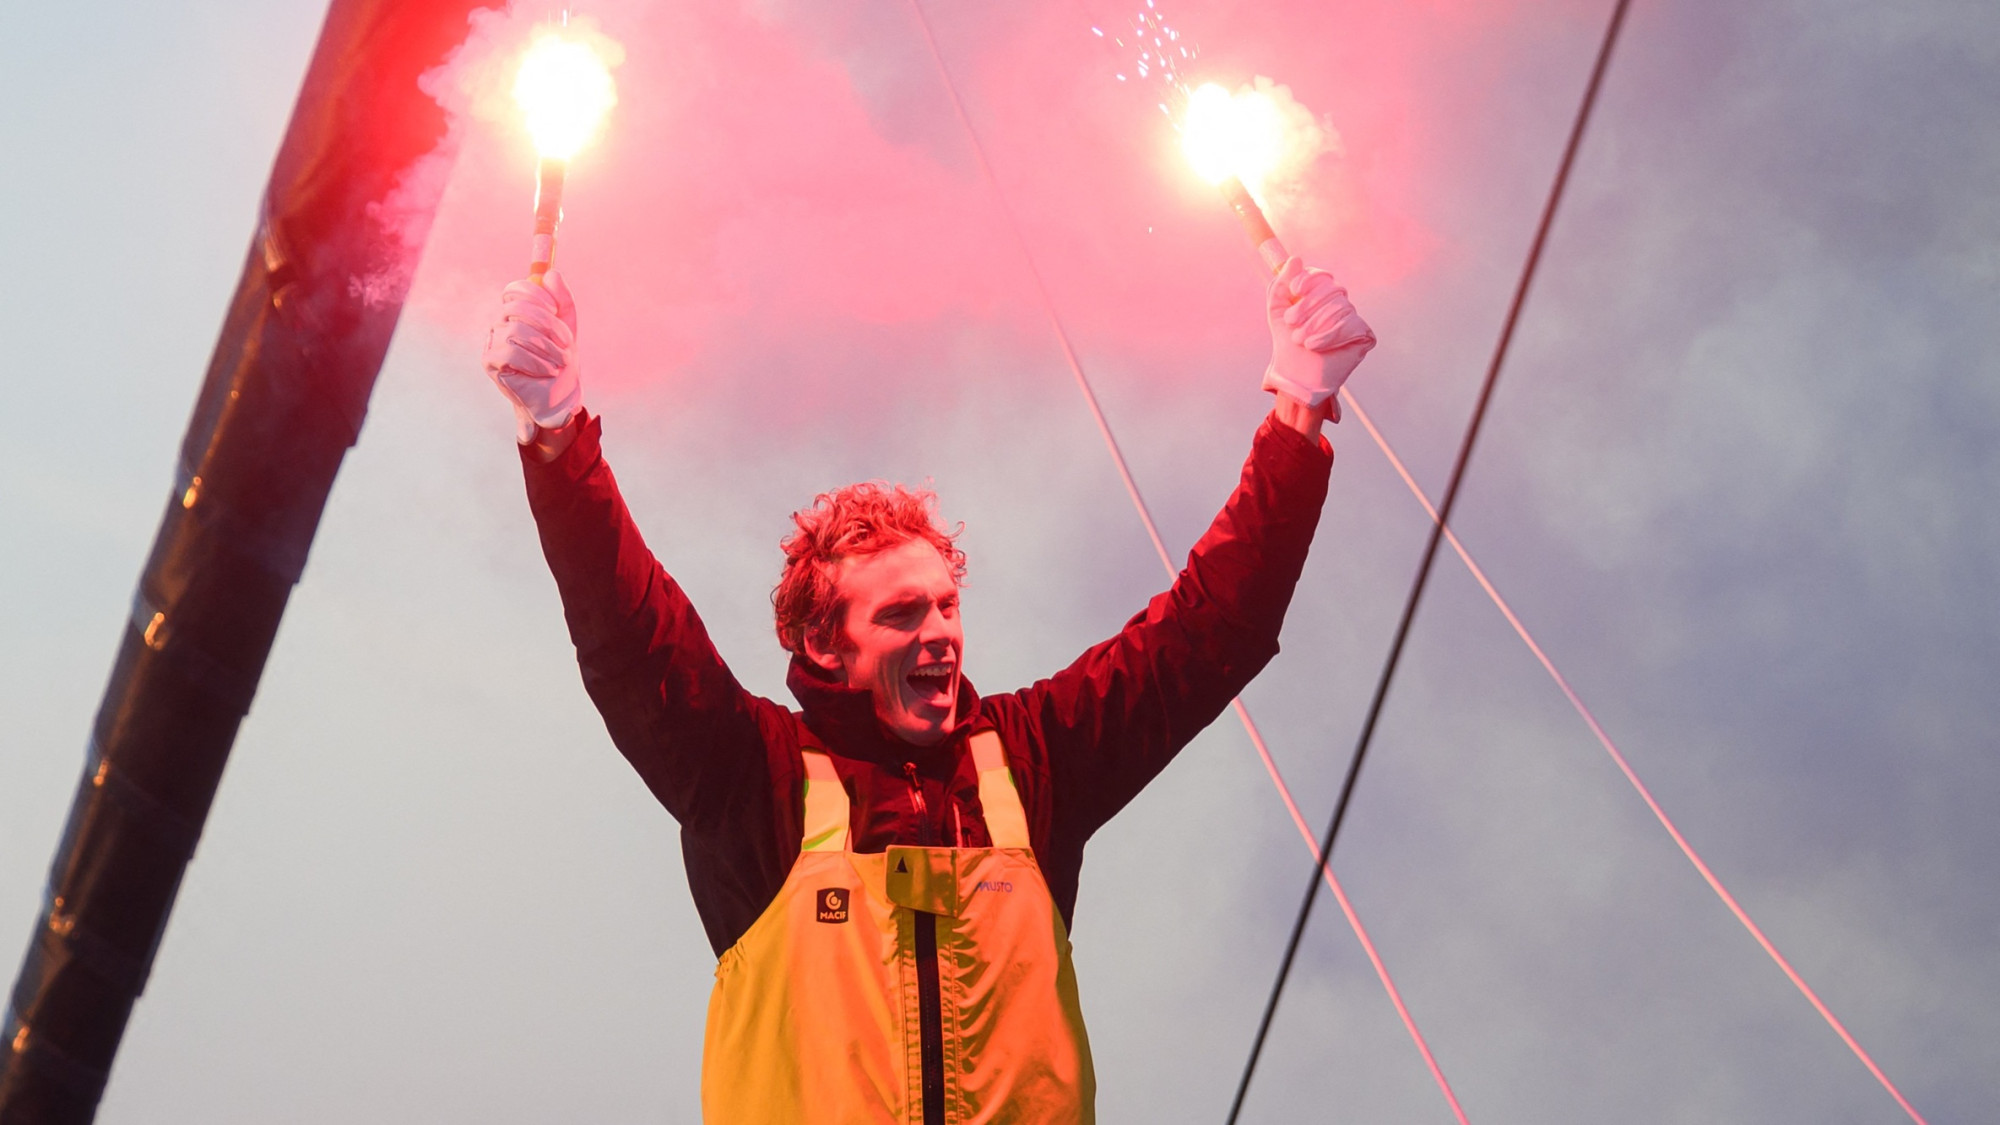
[888, 875]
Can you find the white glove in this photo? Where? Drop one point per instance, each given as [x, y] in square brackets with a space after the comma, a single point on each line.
[531, 354]
[1317, 339]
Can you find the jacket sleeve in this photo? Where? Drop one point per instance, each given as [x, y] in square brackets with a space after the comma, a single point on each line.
[700, 741]
[1111, 721]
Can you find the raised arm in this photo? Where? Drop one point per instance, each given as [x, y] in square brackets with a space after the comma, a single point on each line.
[1119, 714]
[672, 706]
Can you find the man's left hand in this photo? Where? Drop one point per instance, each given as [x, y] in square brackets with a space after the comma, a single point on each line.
[1317, 339]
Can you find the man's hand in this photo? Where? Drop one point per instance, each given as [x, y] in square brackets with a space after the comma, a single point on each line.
[1317, 338]
[531, 355]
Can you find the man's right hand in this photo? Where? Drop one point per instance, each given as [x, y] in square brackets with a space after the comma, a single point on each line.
[531, 355]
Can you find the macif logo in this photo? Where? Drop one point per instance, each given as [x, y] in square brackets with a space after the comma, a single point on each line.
[1002, 886]
[833, 904]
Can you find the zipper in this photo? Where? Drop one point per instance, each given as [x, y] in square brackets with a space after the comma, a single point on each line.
[930, 1019]
[917, 803]
[930, 1001]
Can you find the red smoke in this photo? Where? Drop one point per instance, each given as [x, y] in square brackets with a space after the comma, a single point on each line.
[790, 175]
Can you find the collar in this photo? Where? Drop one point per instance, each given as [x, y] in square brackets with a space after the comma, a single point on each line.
[844, 717]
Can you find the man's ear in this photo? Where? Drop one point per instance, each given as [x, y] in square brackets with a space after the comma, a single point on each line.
[822, 657]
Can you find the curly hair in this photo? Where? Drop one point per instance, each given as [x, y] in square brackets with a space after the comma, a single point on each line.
[860, 519]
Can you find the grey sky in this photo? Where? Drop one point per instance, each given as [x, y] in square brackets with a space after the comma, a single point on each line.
[1738, 479]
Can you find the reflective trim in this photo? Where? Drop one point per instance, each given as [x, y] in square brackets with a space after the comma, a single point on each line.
[826, 806]
[1005, 820]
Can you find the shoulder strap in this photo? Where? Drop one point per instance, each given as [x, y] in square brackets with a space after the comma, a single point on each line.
[826, 804]
[1005, 820]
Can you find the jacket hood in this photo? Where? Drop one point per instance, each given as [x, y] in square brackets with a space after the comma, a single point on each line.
[843, 717]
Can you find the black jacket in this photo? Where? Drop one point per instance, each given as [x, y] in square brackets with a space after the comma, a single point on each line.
[1081, 743]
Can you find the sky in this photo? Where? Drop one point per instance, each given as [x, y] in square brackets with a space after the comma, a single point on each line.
[1737, 479]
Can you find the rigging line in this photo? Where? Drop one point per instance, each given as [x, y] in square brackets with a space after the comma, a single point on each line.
[1424, 568]
[1625, 767]
[1347, 908]
[1166, 560]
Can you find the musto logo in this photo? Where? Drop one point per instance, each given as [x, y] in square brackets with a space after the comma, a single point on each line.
[1001, 885]
[833, 904]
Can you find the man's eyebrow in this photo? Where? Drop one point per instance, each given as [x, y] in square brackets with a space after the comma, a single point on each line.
[904, 600]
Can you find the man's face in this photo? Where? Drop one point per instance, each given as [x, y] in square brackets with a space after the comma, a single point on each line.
[903, 639]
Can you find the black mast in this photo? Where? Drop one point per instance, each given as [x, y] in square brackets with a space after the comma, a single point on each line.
[351, 196]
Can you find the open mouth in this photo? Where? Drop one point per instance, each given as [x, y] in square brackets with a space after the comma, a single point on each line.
[932, 683]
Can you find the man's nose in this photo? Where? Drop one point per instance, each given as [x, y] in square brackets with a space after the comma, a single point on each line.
[937, 628]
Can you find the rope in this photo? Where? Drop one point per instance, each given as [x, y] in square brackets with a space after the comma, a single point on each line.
[1166, 560]
[1478, 573]
[1624, 767]
[1353, 919]
[1464, 457]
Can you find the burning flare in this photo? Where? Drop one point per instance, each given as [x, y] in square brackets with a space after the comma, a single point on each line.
[1234, 142]
[564, 89]
[1225, 135]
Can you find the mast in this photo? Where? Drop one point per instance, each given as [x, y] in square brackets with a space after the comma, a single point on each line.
[356, 182]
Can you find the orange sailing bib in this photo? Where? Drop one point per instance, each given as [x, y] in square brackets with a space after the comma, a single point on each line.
[877, 987]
